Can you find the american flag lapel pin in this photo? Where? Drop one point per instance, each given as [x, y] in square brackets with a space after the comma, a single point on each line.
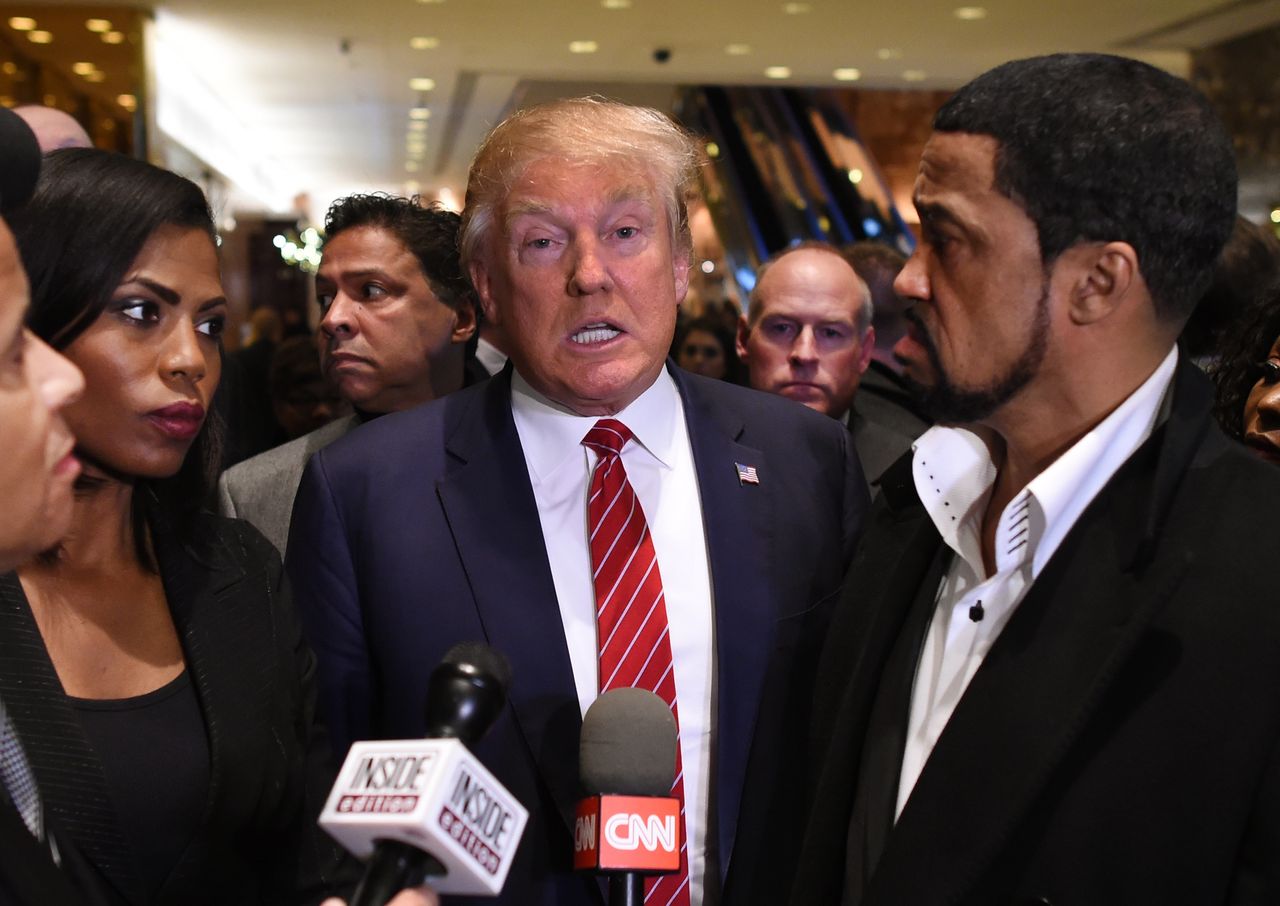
[747, 474]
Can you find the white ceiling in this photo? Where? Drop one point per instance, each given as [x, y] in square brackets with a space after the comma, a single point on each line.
[313, 96]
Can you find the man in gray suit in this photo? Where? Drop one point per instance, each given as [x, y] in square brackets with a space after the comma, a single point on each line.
[397, 316]
[807, 335]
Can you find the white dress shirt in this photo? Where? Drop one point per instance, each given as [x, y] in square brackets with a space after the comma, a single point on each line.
[954, 475]
[659, 464]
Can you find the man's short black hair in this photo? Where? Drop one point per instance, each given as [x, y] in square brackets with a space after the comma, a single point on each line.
[429, 231]
[1102, 148]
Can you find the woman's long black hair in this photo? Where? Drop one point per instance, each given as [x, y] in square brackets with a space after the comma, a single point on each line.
[90, 216]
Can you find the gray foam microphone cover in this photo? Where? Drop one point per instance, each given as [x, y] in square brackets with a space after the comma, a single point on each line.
[628, 745]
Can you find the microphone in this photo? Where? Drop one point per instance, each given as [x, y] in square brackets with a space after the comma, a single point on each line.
[19, 161]
[629, 824]
[420, 808]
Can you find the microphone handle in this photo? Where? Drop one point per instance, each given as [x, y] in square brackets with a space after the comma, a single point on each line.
[393, 867]
[625, 889]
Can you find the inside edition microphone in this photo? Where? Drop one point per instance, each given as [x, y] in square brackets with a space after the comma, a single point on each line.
[427, 808]
[629, 824]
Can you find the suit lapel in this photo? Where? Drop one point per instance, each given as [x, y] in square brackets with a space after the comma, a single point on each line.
[490, 507]
[66, 767]
[211, 614]
[884, 580]
[738, 525]
[1047, 672]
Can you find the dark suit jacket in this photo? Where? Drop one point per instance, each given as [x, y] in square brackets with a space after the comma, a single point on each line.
[420, 530]
[253, 676]
[1120, 743]
[28, 874]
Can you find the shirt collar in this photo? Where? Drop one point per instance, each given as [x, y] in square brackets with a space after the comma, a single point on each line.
[954, 474]
[551, 434]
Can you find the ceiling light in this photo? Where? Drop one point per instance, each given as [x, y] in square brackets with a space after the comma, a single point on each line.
[422, 84]
[96, 76]
[713, 150]
[40, 37]
[1275, 216]
[422, 42]
[419, 113]
[915, 75]
[127, 101]
[847, 74]
[113, 37]
[889, 53]
[417, 125]
[411, 166]
[616, 4]
[98, 26]
[583, 47]
[737, 50]
[855, 176]
[22, 23]
[970, 13]
[82, 68]
[430, 1]
[795, 9]
[9, 67]
[778, 72]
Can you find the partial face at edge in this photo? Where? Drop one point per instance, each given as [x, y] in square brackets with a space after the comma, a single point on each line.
[37, 470]
[1262, 409]
[581, 277]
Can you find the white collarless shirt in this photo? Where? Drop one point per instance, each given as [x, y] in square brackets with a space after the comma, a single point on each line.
[954, 475]
[659, 464]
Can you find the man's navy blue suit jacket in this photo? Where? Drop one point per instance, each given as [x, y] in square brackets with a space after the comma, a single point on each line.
[420, 530]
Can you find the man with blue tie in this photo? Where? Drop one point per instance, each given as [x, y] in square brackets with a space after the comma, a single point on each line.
[594, 513]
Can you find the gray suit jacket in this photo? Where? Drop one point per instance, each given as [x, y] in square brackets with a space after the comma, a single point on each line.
[261, 489]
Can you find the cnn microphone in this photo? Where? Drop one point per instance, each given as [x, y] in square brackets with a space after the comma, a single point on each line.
[629, 824]
[427, 808]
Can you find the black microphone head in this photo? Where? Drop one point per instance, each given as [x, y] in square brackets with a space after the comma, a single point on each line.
[19, 161]
[628, 745]
[466, 692]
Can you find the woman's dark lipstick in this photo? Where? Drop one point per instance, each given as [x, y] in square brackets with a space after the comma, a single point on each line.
[181, 421]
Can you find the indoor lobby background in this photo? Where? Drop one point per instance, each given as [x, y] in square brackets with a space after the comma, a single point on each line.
[812, 114]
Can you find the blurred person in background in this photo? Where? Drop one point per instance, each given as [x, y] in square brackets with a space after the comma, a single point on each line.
[301, 399]
[54, 128]
[807, 335]
[704, 347]
[1247, 374]
[1246, 269]
[152, 661]
[398, 325]
[885, 397]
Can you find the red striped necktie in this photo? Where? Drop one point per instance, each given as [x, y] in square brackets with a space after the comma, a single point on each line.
[631, 612]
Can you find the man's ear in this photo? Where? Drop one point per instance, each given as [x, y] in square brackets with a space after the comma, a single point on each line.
[1105, 274]
[464, 321]
[681, 262]
[484, 290]
[744, 331]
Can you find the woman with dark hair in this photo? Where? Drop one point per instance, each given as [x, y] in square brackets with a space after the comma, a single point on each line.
[152, 661]
[1248, 377]
[705, 347]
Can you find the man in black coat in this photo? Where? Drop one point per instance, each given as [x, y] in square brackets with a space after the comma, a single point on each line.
[1055, 677]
